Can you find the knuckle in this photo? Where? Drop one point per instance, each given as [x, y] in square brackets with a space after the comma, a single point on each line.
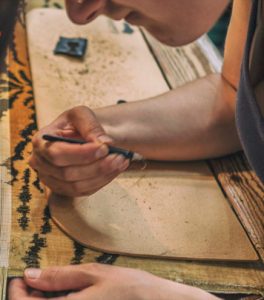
[45, 182]
[53, 156]
[50, 275]
[76, 110]
[86, 193]
[64, 190]
[104, 168]
[41, 177]
[75, 188]
[44, 179]
[99, 170]
[35, 141]
[94, 267]
[32, 162]
[67, 174]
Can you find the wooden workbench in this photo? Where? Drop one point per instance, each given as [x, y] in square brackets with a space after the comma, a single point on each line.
[36, 241]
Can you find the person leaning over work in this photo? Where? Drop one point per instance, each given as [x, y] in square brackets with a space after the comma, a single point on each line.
[196, 121]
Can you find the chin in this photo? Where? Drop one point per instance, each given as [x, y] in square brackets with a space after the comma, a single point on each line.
[169, 41]
[134, 18]
[163, 37]
[117, 18]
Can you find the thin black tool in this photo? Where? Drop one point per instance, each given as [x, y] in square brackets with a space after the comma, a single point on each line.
[112, 150]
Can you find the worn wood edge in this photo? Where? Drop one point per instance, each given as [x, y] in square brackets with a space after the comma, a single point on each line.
[244, 206]
[5, 176]
[212, 53]
[245, 192]
[3, 283]
[5, 187]
[234, 277]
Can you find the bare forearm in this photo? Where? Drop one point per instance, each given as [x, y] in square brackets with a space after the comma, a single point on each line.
[192, 122]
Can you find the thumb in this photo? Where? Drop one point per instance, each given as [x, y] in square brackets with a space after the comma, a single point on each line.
[85, 122]
[57, 279]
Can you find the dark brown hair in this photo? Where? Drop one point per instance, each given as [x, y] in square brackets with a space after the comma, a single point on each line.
[8, 13]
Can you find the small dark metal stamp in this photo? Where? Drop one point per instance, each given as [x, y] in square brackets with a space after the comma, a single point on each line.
[74, 47]
[121, 101]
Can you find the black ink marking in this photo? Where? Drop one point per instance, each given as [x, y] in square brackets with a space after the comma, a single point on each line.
[17, 85]
[3, 107]
[32, 255]
[46, 4]
[19, 149]
[121, 101]
[14, 78]
[24, 197]
[4, 89]
[25, 78]
[4, 103]
[79, 252]
[128, 29]
[13, 50]
[28, 100]
[107, 259]
[37, 185]
[46, 227]
[3, 82]
[28, 131]
[26, 134]
[57, 5]
[13, 98]
[13, 86]
[10, 14]
[6, 164]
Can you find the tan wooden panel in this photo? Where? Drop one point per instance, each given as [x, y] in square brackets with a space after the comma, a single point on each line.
[163, 211]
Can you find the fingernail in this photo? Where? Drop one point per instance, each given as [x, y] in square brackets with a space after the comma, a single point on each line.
[125, 165]
[33, 273]
[101, 152]
[105, 139]
[118, 162]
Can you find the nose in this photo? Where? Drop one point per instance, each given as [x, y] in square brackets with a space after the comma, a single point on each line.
[82, 11]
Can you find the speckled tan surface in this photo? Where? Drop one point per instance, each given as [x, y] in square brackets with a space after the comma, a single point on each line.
[108, 73]
[168, 210]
